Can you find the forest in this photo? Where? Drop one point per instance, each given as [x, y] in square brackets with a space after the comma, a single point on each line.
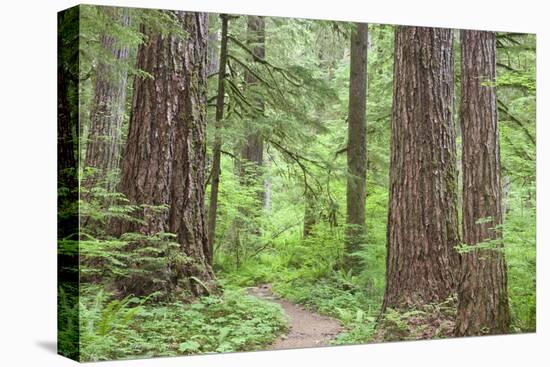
[237, 182]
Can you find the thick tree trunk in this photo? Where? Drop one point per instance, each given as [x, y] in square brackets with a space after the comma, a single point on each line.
[217, 148]
[357, 145]
[107, 111]
[483, 298]
[164, 164]
[422, 218]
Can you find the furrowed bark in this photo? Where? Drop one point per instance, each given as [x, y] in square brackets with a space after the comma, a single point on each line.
[482, 298]
[164, 165]
[421, 264]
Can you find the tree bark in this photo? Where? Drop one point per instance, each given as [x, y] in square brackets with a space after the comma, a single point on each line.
[482, 299]
[422, 228]
[217, 148]
[107, 111]
[164, 163]
[357, 145]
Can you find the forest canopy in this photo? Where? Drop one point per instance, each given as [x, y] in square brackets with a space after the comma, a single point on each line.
[218, 172]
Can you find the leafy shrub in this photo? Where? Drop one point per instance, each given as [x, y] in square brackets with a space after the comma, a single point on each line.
[67, 321]
[130, 328]
[519, 238]
[136, 264]
[103, 323]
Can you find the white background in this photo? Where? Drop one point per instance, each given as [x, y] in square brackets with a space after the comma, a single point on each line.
[28, 182]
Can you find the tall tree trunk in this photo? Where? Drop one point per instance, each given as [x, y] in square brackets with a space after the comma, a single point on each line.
[253, 147]
[107, 111]
[250, 164]
[422, 218]
[357, 145]
[483, 299]
[217, 149]
[164, 163]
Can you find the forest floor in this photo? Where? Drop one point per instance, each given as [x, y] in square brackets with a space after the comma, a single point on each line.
[306, 328]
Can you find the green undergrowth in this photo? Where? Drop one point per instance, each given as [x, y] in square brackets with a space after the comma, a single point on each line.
[520, 241]
[130, 328]
[304, 272]
[337, 298]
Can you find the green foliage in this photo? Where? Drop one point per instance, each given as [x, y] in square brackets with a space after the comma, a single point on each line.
[133, 303]
[373, 253]
[302, 272]
[338, 295]
[67, 320]
[519, 236]
[98, 206]
[102, 323]
[240, 214]
[132, 263]
[99, 21]
[137, 264]
[516, 89]
[515, 79]
[128, 328]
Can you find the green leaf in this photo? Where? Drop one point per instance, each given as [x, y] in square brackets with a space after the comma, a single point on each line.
[189, 346]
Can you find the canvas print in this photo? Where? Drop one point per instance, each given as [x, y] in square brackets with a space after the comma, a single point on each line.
[233, 183]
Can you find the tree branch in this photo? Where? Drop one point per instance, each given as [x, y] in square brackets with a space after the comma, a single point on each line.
[504, 109]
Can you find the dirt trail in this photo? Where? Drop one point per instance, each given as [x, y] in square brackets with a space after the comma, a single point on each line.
[306, 329]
